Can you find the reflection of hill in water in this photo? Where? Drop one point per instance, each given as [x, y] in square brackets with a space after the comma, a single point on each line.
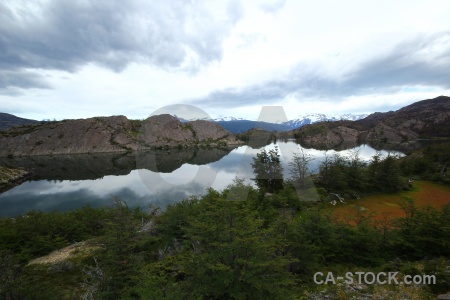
[94, 166]
[325, 147]
[406, 147]
[167, 161]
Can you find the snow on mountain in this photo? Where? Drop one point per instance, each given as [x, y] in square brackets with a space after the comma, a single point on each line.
[217, 119]
[226, 119]
[295, 123]
[316, 117]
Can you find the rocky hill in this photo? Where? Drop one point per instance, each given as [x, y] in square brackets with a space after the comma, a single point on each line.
[423, 119]
[111, 134]
[8, 121]
[257, 137]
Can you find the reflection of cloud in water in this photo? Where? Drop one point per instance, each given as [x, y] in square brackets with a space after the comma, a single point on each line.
[141, 187]
[13, 206]
[182, 175]
[45, 196]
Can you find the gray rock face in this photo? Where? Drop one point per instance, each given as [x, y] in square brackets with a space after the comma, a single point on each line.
[110, 134]
[328, 136]
[384, 133]
[164, 130]
[205, 130]
[167, 131]
[72, 136]
[426, 119]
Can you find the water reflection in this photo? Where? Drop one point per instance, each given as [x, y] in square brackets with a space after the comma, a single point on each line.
[160, 178]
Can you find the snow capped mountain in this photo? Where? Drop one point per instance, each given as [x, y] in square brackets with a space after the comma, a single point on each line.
[295, 123]
[217, 119]
[226, 119]
[316, 117]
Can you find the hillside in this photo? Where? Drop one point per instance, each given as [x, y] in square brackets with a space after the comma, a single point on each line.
[256, 137]
[111, 134]
[424, 119]
[240, 126]
[8, 121]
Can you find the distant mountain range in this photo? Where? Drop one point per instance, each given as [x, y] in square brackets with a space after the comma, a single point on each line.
[240, 125]
[315, 117]
[8, 121]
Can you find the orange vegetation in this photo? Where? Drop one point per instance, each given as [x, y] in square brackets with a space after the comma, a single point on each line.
[387, 206]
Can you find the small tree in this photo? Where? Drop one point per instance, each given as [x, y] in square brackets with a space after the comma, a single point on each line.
[268, 170]
[299, 168]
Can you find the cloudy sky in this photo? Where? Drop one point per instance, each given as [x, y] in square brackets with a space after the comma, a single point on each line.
[77, 59]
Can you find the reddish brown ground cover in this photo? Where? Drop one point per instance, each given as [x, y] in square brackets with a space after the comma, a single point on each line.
[387, 206]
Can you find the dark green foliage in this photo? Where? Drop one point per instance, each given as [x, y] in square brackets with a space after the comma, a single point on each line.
[351, 176]
[268, 170]
[223, 251]
[38, 233]
[211, 247]
[431, 163]
[10, 275]
[241, 243]
[384, 173]
[423, 232]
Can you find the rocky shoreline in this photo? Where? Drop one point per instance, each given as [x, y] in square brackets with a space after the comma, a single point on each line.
[10, 178]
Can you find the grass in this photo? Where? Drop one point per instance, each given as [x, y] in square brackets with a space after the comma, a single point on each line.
[424, 193]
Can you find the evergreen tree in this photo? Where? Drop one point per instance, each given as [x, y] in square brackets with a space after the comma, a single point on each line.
[268, 170]
[227, 253]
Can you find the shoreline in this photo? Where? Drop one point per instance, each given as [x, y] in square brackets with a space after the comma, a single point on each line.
[10, 178]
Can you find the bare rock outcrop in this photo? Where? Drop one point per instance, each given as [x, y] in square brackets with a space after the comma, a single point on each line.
[110, 134]
[383, 133]
[164, 130]
[205, 130]
[423, 119]
[71, 136]
[426, 119]
[167, 131]
[328, 135]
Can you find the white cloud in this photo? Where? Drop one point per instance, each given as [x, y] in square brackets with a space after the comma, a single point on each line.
[87, 58]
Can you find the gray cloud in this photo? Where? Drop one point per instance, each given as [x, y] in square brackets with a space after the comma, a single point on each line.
[424, 60]
[66, 35]
[13, 81]
[22, 79]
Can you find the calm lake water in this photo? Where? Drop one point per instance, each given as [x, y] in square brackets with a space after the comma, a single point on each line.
[67, 182]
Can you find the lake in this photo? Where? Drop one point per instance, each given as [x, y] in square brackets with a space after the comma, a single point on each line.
[161, 177]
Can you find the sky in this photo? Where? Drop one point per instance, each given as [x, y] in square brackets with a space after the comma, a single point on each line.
[84, 58]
